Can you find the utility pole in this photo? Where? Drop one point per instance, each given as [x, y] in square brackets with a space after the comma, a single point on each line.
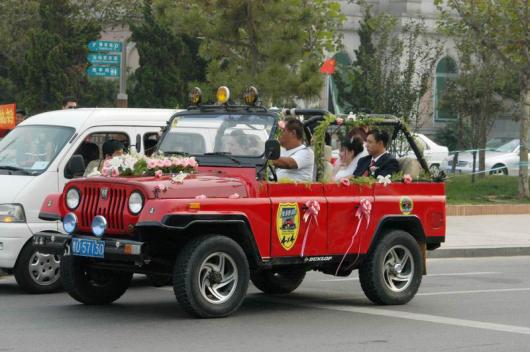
[122, 101]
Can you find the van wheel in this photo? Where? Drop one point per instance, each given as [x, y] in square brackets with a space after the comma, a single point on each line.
[393, 270]
[92, 286]
[37, 272]
[211, 277]
[278, 281]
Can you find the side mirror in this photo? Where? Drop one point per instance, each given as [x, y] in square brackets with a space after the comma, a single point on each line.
[272, 149]
[75, 167]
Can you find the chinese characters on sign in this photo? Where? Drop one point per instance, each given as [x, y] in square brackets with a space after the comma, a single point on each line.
[103, 71]
[104, 62]
[7, 116]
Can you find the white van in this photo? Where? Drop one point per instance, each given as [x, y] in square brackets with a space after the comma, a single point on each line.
[39, 157]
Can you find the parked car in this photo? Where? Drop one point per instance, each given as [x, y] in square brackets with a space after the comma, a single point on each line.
[434, 154]
[504, 160]
[40, 156]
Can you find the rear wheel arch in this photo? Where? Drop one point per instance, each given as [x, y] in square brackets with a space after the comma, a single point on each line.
[409, 224]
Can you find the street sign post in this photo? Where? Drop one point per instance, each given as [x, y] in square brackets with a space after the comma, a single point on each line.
[103, 71]
[105, 46]
[104, 59]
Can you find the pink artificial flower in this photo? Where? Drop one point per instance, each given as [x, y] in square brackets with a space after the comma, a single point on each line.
[177, 162]
[345, 181]
[201, 196]
[151, 163]
[158, 173]
[193, 163]
[106, 163]
[160, 163]
[339, 121]
[407, 179]
[105, 171]
[167, 162]
[281, 124]
[115, 173]
[234, 196]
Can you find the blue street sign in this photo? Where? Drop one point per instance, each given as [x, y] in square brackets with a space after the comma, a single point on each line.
[104, 59]
[104, 45]
[103, 71]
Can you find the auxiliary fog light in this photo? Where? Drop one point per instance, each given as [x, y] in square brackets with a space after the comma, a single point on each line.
[69, 223]
[99, 226]
[223, 95]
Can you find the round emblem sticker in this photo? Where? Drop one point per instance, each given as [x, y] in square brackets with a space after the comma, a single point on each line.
[406, 205]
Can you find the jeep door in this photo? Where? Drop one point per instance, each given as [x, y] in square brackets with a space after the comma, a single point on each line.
[288, 227]
[346, 231]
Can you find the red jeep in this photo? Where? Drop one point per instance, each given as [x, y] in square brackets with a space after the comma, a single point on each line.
[208, 233]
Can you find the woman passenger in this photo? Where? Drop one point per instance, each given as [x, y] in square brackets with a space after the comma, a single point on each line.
[351, 150]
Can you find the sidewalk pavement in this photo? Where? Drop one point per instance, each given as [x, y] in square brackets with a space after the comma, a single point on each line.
[485, 236]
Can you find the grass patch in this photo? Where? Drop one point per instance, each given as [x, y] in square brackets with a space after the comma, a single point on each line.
[488, 190]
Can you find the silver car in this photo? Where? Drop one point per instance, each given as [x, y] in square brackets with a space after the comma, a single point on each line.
[503, 160]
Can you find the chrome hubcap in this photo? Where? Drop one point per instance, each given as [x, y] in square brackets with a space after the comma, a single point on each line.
[398, 268]
[218, 278]
[44, 268]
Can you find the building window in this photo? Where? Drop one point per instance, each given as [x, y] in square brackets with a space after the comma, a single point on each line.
[446, 70]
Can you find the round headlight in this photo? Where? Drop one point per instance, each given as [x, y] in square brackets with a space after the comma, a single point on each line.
[99, 225]
[72, 198]
[136, 203]
[69, 223]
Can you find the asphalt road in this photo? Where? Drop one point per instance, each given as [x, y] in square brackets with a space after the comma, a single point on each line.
[479, 304]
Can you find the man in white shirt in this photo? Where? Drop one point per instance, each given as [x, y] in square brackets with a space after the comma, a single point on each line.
[296, 160]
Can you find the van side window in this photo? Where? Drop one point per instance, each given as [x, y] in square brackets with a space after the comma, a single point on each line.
[91, 150]
[150, 141]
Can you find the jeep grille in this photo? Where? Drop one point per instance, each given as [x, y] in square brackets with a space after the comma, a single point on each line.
[111, 208]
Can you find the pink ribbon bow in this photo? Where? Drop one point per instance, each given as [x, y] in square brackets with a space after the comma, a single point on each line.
[311, 212]
[363, 211]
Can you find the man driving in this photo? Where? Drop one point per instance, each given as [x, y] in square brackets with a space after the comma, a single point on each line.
[296, 160]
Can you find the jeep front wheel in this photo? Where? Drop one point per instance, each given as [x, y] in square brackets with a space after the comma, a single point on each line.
[92, 286]
[211, 277]
[392, 272]
[277, 281]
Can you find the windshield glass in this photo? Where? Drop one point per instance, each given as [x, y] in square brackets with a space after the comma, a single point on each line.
[508, 147]
[238, 135]
[30, 149]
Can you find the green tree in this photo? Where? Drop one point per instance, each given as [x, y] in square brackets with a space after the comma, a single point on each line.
[276, 45]
[392, 67]
[168, 62]
[502, 26]
[476, 96]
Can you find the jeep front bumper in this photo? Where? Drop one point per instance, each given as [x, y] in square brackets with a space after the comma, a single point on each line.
[116, 249]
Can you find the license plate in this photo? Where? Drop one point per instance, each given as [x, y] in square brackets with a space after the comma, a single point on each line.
[88, 248]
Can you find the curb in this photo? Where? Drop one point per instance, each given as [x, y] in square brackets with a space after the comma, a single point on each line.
[486, 209]
[479, 252]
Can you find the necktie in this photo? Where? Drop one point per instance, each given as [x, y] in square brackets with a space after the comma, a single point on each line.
[367, 172]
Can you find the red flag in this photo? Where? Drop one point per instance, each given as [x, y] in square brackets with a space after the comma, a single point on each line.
[328, 67]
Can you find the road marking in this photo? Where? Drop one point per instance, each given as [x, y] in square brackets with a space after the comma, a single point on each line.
[428, 275]
[436, 319]
[474, 291]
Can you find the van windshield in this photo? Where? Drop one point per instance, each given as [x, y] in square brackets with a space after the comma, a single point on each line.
[29, 150]
[234, 134]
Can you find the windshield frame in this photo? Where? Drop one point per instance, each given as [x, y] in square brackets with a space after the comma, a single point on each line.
[245, 161]
[30, 172]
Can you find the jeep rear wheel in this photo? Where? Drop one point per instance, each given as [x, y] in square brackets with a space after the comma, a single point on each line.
[92, 286]
[211, 277]
[278, 281]
[392, 272]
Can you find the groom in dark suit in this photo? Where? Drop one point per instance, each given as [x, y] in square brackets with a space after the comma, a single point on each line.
[378, 162]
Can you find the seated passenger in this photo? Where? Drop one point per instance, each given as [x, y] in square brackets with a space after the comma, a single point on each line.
[378, 162]
[351, 151]
[111, 148]
[296, 160]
